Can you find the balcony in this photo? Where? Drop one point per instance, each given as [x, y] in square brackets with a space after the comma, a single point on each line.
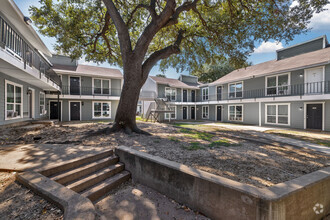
[15, 46]
[306, 89]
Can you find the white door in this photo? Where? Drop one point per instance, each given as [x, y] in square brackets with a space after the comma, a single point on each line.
[314, 81]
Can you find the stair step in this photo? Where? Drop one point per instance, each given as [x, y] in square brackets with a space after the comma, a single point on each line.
[101, 189]
[96, 178]
[75, 163]
[84, 170]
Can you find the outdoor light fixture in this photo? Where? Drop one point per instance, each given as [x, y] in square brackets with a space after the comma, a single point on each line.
[27, 20]
[300, 108]
[29, 92]
[301, 75]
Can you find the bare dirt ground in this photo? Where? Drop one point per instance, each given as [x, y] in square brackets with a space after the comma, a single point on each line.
[18, 202]
[244, 161]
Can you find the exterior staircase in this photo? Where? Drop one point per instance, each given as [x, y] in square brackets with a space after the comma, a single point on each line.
[161, 107]
[92, 176]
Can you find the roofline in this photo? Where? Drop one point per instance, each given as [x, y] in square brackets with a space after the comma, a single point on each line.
[305, 42]
[33, 31]
[273, 73]
[68, 72]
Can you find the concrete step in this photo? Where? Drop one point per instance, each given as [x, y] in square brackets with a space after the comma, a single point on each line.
[79, 172]
[96, 178]
[102, 188]
[75, 163]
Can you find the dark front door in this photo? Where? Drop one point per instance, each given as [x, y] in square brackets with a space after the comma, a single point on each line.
[74, 85]
[55, 110]
[184, 113]
[185, 95]
[193, 95]
[74, 111]
[219, 111]
[219, 93]
[192, 112]
[314, 116]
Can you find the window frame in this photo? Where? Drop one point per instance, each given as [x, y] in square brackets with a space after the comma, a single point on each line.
[276, 114]
[167, 114]
[101, 117]
[235, 83]
[102, 79]
[208, 112]
[44, 105]
[171, 90]
[236, 113]
[204, 96]
[277, 91]
[14, 103]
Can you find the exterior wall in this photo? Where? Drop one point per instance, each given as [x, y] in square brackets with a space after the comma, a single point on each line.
[188, 79]
[25, 85]
[327, 73]
[300, 49]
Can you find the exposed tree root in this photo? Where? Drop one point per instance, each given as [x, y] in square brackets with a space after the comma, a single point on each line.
[118, 128]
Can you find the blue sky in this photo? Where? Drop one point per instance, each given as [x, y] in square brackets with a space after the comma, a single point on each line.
[264, 51]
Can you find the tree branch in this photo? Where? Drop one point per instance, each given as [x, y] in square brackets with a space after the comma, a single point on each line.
[150, 8]
[161, 54]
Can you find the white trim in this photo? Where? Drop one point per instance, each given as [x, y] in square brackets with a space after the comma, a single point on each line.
[170, 118]
[187, 112]
[208, 111]
[323, 113]
[216, 92]
[69, 80]
[260, 123]
[33, 101]
[277, 75]
[194, 112]
[323, 76]
[93, 117]
[70, 109]
[235, 89]
[44, 109]
[49, 101]
[208, 93]
[216, 113]
[102, 79]
[170, 88]
[236, 113]
[187, 95]
[276, 114]
[22, 99]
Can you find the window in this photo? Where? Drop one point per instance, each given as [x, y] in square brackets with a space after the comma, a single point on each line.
[277, 85]
[170, 93]
[14, 100]
[172, 114]
[101, 109]
[42, 103]
[235, 113]
[236, 90]
[205, 94]
[205, 112]
[101, 86]
[277, 114]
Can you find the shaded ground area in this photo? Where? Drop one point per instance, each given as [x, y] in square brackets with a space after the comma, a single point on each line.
[135, 201]
[223, 154]
[18, 202]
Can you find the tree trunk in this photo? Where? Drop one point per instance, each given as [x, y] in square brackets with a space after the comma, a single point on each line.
[126, 112]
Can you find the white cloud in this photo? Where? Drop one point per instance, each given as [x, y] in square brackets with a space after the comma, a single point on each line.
[321, 21]
[268, 47]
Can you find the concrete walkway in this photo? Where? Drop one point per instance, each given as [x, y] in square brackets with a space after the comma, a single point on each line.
[35, 156]
[259, 131]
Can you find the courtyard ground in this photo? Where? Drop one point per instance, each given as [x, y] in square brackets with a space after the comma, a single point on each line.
[223, 153]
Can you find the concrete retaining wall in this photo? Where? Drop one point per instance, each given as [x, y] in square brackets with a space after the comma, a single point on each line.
[221, 198]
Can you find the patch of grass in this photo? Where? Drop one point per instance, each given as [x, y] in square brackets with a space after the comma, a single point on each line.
[174, 139]
[194, 146]
[205, 136]
[221, 143]
[139, 118]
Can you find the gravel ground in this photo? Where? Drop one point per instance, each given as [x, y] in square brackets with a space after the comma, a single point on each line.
[18, 202]
[244, 161]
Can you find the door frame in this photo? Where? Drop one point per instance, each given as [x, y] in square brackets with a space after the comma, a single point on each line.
[187, 112]
[323, 76]
[69, 80]
[70, 109]
[194, 112]
[33, 109]
[49, 101]
[195, 92]
[186, 95]
[216, 115]
[216, 92]
[305, 113]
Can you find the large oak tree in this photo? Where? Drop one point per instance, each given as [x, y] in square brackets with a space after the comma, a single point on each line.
[185, 34]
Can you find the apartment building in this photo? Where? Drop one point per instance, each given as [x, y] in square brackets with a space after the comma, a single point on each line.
[88, 92]
[292, 91]
[25, 72]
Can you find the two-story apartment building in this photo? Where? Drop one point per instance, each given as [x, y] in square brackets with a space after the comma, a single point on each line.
[292, 91]
[25, 72]
[88, 92]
